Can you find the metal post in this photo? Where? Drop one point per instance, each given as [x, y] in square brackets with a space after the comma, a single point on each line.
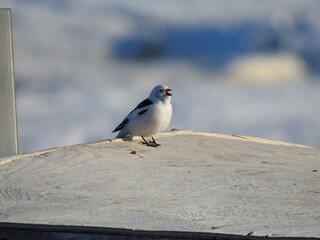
[8, 119]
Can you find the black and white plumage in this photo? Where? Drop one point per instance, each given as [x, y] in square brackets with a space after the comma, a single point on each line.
[150, 117]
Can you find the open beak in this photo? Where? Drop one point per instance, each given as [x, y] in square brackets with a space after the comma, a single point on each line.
[168, 92]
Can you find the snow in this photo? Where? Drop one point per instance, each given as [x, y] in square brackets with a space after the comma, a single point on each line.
[74, 87]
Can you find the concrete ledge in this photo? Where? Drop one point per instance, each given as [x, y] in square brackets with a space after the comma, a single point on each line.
[230, 136]
[196, 182]
[173, 132]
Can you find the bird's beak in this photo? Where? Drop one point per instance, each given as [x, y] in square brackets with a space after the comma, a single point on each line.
[168, 92]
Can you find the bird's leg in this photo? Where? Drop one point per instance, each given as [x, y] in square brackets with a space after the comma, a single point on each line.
[150, 143]
[144, 141]
[154, 143]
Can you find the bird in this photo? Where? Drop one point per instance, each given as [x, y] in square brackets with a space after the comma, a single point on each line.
[149, 117]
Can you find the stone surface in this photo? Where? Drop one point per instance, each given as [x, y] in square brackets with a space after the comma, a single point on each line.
[195, 181]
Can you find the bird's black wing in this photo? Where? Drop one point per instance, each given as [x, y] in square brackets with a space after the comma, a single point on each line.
[144, 103]
[121, 125]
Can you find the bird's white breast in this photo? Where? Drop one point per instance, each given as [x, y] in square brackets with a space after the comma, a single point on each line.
[154, 121]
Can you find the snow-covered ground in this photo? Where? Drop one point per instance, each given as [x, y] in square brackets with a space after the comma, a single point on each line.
[81, 66]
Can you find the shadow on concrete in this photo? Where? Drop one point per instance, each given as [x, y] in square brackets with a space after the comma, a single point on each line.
[19, 231]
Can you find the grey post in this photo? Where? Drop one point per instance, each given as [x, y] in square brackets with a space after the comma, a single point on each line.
[8, 119]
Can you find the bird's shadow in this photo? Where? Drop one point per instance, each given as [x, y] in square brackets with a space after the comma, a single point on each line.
[127, 138]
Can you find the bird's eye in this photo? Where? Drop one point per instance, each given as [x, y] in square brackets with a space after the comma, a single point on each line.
[161, 90]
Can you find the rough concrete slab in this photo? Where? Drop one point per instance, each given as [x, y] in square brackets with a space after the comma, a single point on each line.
[199, 182]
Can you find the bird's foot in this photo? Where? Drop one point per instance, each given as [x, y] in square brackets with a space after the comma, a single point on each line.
[154, 144]
[150, 143]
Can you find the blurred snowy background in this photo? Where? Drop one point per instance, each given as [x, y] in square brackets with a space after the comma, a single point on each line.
[243, 67]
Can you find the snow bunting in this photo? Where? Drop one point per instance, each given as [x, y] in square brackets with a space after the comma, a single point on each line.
[150, 117]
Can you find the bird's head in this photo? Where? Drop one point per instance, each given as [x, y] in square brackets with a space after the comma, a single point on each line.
[160, 92]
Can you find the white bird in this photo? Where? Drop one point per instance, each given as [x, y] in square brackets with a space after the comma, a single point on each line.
[150, 117]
